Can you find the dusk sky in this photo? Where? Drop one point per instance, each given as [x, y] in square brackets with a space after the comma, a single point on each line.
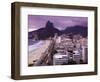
[60, 22]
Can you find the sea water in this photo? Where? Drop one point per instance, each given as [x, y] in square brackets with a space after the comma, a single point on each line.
[35, 45]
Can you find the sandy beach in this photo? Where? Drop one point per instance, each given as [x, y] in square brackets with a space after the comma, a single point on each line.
[37, 53]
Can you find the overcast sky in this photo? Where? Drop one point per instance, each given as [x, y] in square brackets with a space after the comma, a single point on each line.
[60, 22]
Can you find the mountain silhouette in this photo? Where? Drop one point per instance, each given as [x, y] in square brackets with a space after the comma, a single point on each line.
[83, 31]
[49, 30]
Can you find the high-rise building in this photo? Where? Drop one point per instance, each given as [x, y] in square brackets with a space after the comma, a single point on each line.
[76, 56]
[84, 54]
[60, 59]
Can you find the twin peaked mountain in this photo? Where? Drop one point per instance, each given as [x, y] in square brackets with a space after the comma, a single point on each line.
[49, 30]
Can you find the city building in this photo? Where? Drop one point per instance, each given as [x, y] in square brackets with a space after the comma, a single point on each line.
[70, 50]
[76, 56]
[84, 54]
[60, 59]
